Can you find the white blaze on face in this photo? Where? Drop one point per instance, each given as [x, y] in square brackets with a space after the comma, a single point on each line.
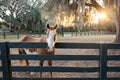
[50, 39]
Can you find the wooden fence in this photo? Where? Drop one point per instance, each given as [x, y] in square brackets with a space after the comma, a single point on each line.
[7, 69]
[5, 35]
[90, 33]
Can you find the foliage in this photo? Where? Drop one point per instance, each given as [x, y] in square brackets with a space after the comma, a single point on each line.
[32, 15]
[23, 15]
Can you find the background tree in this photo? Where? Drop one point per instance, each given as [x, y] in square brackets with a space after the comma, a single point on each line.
[112, 9]
[22, 14]
[30, 14]
[76, 13]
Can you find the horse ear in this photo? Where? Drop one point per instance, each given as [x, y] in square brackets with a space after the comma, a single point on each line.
[48, 26]
[55, 26]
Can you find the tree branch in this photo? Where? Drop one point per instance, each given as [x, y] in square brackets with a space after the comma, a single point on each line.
[88, 4]
[96, 5]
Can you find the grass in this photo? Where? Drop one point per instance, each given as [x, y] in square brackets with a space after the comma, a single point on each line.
[96, 38]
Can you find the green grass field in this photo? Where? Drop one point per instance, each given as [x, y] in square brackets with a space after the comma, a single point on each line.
[80, 39]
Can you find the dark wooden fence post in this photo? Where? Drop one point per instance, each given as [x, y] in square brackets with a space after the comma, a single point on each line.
[5, 61]
[18, 36]
[103, 62]
[4, 35]
[62, 31]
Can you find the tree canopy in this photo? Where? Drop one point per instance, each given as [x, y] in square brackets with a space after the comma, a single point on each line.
[21, 14]
[83, 15]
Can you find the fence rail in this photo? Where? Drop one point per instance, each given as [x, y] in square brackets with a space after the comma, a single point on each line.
[102, 58]
[7, 35]
[90, 33]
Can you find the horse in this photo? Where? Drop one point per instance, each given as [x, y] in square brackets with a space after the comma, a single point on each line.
[50, 38]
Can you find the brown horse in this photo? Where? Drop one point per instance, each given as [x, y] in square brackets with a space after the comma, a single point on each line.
[50, 38]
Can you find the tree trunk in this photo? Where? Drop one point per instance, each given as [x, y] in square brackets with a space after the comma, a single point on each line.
[117, 24]
[114, 4]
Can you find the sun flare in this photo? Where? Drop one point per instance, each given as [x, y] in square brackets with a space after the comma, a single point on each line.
[101, 15]
[68, 21]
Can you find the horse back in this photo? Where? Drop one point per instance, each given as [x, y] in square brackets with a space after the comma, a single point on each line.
[29, 38]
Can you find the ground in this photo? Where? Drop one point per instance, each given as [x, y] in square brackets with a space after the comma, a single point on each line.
[80, 39]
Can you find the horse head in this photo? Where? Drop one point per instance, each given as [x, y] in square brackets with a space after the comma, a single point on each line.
[51, 36]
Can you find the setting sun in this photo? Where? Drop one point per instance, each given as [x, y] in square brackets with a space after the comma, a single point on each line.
[98, 17]
[101, 15]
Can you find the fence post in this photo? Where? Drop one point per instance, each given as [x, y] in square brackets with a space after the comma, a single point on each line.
[18, 35]
[5, 61]
[103, 62]
[4, 35]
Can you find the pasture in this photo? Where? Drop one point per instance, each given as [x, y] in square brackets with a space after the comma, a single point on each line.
[80, 39]
[67, 38]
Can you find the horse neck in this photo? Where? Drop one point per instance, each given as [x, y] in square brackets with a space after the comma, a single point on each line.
[43, 38]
